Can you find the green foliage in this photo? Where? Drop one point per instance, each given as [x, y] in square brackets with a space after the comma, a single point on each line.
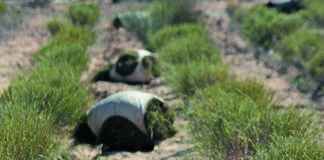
[300, 46]
[158, 120]
[160, 14]
[265, 26]
[73, 54]
[54, 27]
[138, 23]
[314, 11]
[167, 34]
[152, 66]
[84, 14]
[291, 148]
[169, 12]
[187, 49]
[230, 123]
[53, 89]
[26, 133]
[187, 78]
[316, 65]
[3, 7]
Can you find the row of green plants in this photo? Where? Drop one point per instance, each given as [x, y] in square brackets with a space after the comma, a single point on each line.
[230, 119]
[41, 100]
[296, 38]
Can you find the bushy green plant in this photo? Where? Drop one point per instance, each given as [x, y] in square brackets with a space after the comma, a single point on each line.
[73, 54]
[314, 11]
[265, 26]
[167, 34]
[152, 66]
[187, 49]
[26, 133]
[53, 89]
[291, 148]
[168, 12]
[300, 46]
[84, 14]
[138, 23]
[189, 77]
[54, 27]
[316, 65]
[3, 7]
[230, 123]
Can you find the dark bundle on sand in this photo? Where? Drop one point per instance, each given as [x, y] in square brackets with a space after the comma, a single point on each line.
[131, 67]
[286, 6]
[118, 133]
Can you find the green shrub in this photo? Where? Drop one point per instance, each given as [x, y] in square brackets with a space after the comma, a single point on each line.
[152, 66]
[228, 123]
[265, 26]
[316, 65]
[26, 133]
[138, 23]
[291, 148]
[314, 11]
[53, 89]
[3, 7]
[187, 78]
[187, 49]
[70, 35]
[73, 54]
[300, 46]
[168, 12]
[84, 14]
[167, 34]
[54, 27]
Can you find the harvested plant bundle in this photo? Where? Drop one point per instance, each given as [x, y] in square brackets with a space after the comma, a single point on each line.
[131, 67]
[129, 120]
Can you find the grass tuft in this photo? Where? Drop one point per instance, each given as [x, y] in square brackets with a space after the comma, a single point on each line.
[84, 14]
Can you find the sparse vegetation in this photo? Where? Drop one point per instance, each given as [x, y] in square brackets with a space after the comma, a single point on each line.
[3, 7]
[46, 97]
[264, 27]
[84, 14]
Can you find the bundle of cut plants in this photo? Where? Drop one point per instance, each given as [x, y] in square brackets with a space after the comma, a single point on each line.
[126, 121]
[131, 67]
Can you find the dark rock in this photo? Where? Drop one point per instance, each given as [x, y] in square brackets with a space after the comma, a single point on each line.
[285, 6]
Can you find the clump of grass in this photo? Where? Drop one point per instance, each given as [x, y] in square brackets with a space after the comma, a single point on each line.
[53, 89]
[187, 78]
[84, 14]
[54, 27]
[315, 65]
[265, 26]
[73, 54]
[187, 49]
[26, 133]
[314, 11]
[3, 7]
[298, 47]
[151, 66]
[231, 123]
[158, 120]
[167, 34]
